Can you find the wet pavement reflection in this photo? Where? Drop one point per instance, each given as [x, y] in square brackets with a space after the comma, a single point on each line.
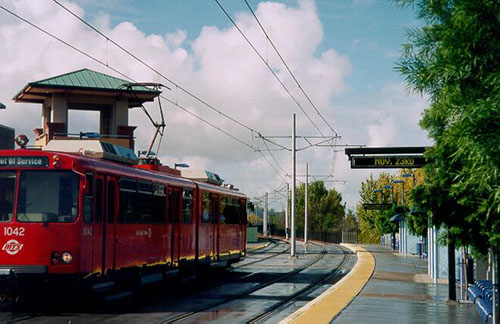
[240, 293]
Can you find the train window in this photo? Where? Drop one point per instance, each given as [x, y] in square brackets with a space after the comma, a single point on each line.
[127, 209]
[172, 205]
[144, 201]
[214, 208]
[159, 204]
[243, 212]
[7, 192]
[98, 200]
[205, 208]
[223, 210]
[48, 196]
[170, 209]
[187, 206]
[88, 199]
[111, 202]
[232, 211]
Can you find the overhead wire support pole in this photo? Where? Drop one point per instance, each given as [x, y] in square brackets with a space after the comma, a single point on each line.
[264, 227]
[306, 203]
[287, 215]
[294, 174]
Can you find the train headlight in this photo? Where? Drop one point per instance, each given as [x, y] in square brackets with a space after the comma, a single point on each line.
[60, 258]
[56, 161]
[66, 257]
[54, 258]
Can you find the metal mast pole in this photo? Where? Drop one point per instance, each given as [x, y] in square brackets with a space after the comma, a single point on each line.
[306, 204]
[264, 229]
[403, 183]
[294, 176]
[287, 228]
[494, 279]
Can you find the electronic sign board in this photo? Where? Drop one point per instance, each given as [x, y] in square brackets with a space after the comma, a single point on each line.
[387, 162]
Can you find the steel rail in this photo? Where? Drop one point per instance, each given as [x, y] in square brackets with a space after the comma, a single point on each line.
[263, 259]
[184, 316]
[304, 291]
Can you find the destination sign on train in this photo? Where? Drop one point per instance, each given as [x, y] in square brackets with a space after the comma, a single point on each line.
[24, 161]
[387, 162]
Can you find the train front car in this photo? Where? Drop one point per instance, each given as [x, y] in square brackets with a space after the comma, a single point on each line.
[40, 227]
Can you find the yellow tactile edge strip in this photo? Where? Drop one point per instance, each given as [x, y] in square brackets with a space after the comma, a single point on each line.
[330, 303]
[260, 246]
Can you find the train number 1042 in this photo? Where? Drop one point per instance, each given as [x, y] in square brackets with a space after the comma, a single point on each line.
[13, 231]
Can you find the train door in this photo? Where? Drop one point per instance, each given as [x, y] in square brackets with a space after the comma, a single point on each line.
[109, 225]
[104, 223]
[97, 228]
[174, 218]
[88, 219]
[214, 215]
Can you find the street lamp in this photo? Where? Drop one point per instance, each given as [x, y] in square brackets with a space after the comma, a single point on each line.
[392, 191]
[409, 175]
[403, 183]
[380, 191]
[181, 165]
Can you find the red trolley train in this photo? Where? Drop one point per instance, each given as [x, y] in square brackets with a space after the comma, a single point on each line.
[72, 219]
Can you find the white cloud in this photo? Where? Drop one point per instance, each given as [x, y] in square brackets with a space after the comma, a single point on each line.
[383, 132]
[219, 67]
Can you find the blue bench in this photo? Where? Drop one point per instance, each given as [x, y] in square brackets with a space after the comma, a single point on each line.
[474, 292]
[481, 293]
[484, 309]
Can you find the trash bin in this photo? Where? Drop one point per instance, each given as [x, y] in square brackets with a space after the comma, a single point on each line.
[419, 248]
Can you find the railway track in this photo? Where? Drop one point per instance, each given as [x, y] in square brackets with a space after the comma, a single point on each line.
[270, 310]
[269, 293]
[276, 308]
[272, 255]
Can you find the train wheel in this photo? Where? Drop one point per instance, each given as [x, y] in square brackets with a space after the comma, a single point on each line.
[3, 298]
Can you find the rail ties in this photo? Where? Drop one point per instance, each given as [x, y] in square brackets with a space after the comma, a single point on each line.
[274, 309]
[274, 254]
[269, 311]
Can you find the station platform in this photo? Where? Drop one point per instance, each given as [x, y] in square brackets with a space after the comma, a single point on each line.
[385, 287]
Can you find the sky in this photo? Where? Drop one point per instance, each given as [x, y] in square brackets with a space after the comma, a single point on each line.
[343, 53]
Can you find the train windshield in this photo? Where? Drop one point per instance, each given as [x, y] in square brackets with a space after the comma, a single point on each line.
[7, 193]
[47, 196]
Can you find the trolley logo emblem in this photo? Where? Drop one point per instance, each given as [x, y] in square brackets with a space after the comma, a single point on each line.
[12, 247]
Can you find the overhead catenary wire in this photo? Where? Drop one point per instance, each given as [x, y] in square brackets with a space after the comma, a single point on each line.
[175, 103]
[123, 75]
[334, 154]
[289, 70]
[268, 66]
[178, 86]
[272, 156]
[272, 166]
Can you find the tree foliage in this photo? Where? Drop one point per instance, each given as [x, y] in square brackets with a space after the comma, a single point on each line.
[350, 221]
[455, 59]
[373, 223]
[326, 210]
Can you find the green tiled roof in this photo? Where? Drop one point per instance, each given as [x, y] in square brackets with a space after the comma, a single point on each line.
[86, 78]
